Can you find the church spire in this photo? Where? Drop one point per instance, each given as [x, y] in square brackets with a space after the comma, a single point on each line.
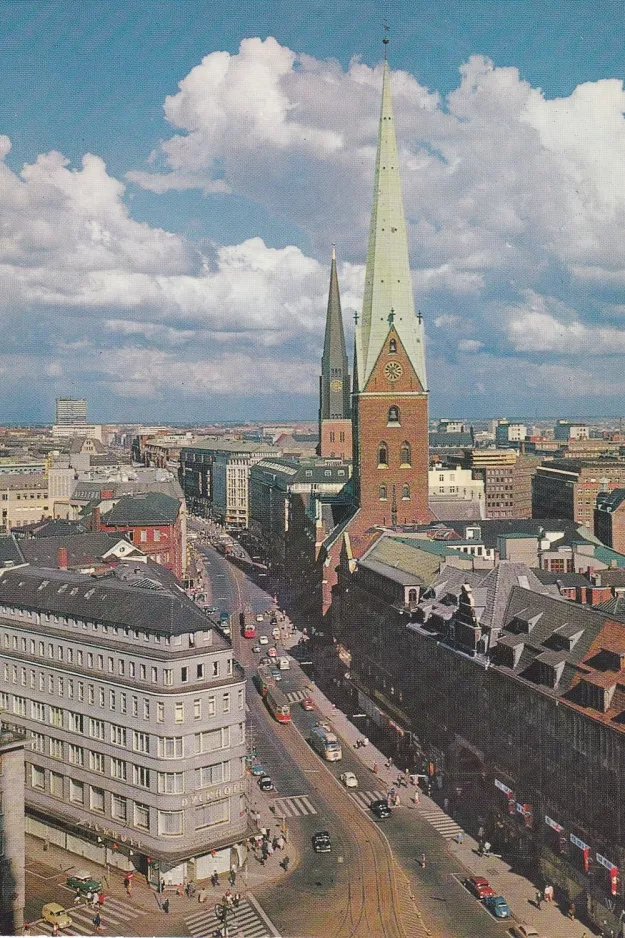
[388, 284]
[334, 384]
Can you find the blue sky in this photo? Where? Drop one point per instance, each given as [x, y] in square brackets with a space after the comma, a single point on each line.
[174, 175]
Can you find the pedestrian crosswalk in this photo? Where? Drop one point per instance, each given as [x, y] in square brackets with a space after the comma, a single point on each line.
[294, 696]
[440, 821]
[117, 918]
[364, 798]
[294, 806]
[248, 920]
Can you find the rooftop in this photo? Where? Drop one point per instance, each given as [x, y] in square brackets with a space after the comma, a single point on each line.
[143, 508]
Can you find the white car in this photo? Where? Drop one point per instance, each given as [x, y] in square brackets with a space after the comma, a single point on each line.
[524, 931]
[349, 780]
[263, 640]
[260, 617]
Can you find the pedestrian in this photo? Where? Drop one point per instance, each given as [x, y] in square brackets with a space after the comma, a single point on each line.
[269, 849]
[549, 893]
[95, 900]
[375, 768]
[78, 896]
[201, 896]
[539, 899]
[101, 899]
[97, 921]
[89, 897]
[285, 863]
[26, 930]
[166, 905]
[228, 898]
[571, 912]
[233, 876]
[422, 861]
[55, 928]
[445, 805]
[179, 890]
[365, 741]
[236, 900]
[416, 797]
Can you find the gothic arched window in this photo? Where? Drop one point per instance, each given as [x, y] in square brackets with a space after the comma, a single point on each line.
[404, 454]
[392, 347]
[383, 493]
[405, 492]
[382, 454]
[412, 596]
[393, 414]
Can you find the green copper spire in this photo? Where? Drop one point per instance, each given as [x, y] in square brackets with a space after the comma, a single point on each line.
[388, 284]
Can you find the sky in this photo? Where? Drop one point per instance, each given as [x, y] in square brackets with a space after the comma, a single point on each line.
[173, 176]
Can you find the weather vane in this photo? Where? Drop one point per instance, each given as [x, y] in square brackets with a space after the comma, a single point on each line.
[386, 39]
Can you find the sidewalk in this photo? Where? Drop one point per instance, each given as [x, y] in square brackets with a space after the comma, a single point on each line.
[550, 921]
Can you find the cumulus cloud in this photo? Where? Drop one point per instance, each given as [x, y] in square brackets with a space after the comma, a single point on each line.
[514, 206]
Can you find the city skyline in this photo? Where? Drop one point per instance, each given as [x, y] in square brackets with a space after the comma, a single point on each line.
[170, 216]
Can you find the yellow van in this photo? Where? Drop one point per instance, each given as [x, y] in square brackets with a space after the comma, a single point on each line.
[56, 914]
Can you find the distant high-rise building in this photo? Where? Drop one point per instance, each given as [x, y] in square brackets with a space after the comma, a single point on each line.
[70, 410]
[335, 428]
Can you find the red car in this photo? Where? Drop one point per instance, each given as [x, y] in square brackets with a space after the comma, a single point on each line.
[480, 887]
[308, 703]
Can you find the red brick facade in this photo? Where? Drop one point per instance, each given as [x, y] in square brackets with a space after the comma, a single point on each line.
[336, 439]
[161, 542]
[391, 442]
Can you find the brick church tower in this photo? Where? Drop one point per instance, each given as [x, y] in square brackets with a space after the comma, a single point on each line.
[390, 397]
[335, 427]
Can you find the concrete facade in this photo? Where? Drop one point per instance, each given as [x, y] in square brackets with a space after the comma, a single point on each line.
[12, 856]
[137, 727]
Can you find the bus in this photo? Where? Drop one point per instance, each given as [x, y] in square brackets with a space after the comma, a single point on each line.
[326, 744]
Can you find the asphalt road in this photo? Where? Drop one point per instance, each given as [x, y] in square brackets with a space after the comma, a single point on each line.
[321, 890]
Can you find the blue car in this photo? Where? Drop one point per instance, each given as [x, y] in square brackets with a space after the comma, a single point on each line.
[498, 906]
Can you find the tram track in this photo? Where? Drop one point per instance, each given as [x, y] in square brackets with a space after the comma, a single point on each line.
[370, 908]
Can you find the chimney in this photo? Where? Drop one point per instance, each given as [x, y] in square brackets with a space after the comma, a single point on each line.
[62, 558]
[95, 519]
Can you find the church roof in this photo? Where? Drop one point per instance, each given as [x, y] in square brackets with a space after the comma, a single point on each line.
[388, 284]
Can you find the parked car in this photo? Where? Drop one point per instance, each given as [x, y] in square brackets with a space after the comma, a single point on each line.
[349, 780]
[272, 653]
[498, 906]
[275, 632]
[265, 783]
[308, 703]
[524, 931]
[55, 914]
[257, 769]
[480, 887]
[260, 617]
[263, 640]
[380, 808]
[83, 882]
[256, 649]
[275, 673]
[321, 842]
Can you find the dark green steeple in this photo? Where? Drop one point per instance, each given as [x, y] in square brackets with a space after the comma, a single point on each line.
[334, 384]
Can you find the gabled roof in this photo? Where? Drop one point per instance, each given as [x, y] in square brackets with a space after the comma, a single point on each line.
[147, 508]
[10, 553]
[82, 549]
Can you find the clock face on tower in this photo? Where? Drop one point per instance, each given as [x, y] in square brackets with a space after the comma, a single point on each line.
[336, 385]
[393, 371]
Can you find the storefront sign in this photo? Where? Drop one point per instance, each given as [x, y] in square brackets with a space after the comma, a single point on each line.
[606, 863]
[578, 843]
[526, 811]
[553, 824]
[224, 792]
[503, 788]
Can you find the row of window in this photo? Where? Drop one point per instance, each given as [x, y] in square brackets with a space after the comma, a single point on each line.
[405, 492]
[116, 700]
[167, 783]
[18, 612]
[405, 455]
[167, 747]
[120, 666]
[169, 823]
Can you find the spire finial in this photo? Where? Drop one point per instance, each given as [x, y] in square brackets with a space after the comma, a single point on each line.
[356, 317]
[333, 251]
[391, 317]
[386, 38]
